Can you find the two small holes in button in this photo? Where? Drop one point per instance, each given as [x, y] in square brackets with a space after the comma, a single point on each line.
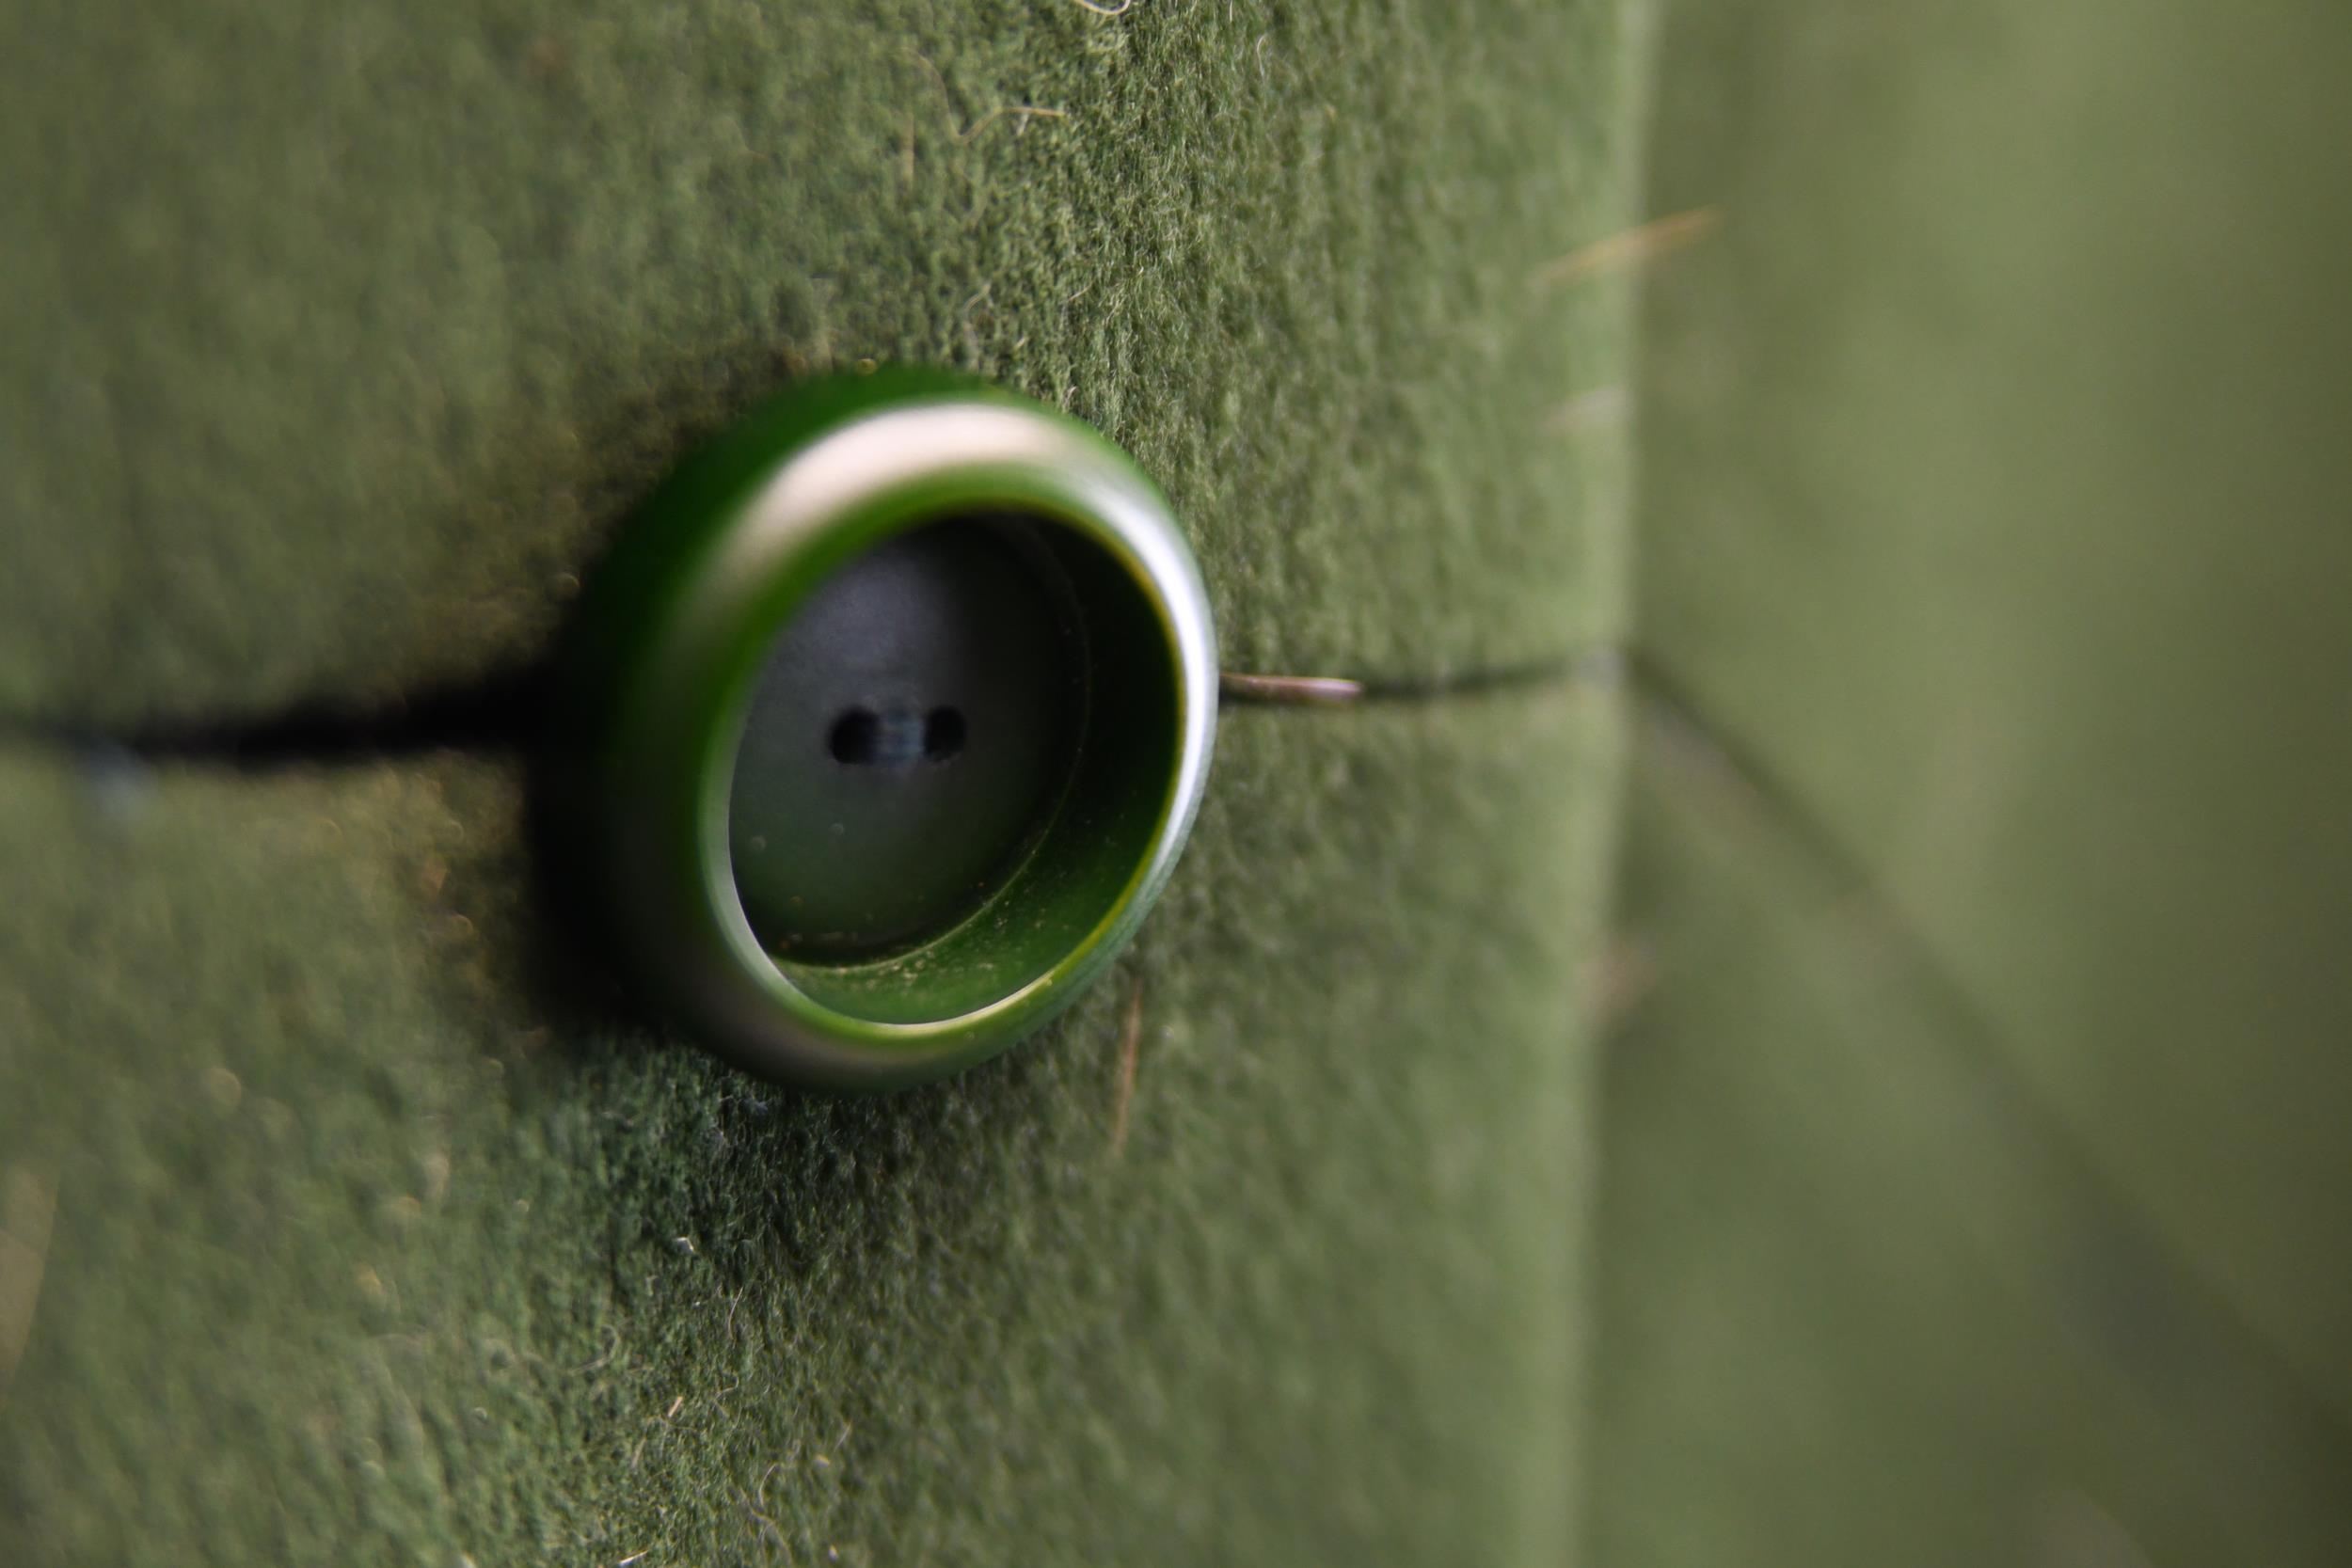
[861, 737]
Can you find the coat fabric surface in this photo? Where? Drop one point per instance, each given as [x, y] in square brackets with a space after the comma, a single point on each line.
[341, 341]
[1976, 1175]
[1937, 1156]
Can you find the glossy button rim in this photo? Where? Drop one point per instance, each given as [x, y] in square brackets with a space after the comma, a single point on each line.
[667, 645]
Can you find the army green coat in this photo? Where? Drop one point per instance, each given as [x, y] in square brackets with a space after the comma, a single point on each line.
[1939, 1155]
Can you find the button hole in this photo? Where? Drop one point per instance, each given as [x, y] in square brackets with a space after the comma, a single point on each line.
[943, 733]
[856, 736]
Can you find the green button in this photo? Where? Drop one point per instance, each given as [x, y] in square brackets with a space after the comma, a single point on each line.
[881, 727]
[914, 725]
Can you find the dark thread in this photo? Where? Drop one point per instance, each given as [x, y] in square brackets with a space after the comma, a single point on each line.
[861, 737]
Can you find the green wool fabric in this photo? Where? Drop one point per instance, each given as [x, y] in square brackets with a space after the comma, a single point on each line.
[346, 1217]
[342, 336]
[1863, 1300]
[377, 1238]
[1978, 1177]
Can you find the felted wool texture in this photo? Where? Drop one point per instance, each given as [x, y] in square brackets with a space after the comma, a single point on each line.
[1862, 1299]
[1993, 471]
[382, 1235]
[343, 337]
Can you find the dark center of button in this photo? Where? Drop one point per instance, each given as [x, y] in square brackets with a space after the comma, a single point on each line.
[912, 728]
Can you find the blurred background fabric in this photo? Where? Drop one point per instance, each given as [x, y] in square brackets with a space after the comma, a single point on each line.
[1980, 1120]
